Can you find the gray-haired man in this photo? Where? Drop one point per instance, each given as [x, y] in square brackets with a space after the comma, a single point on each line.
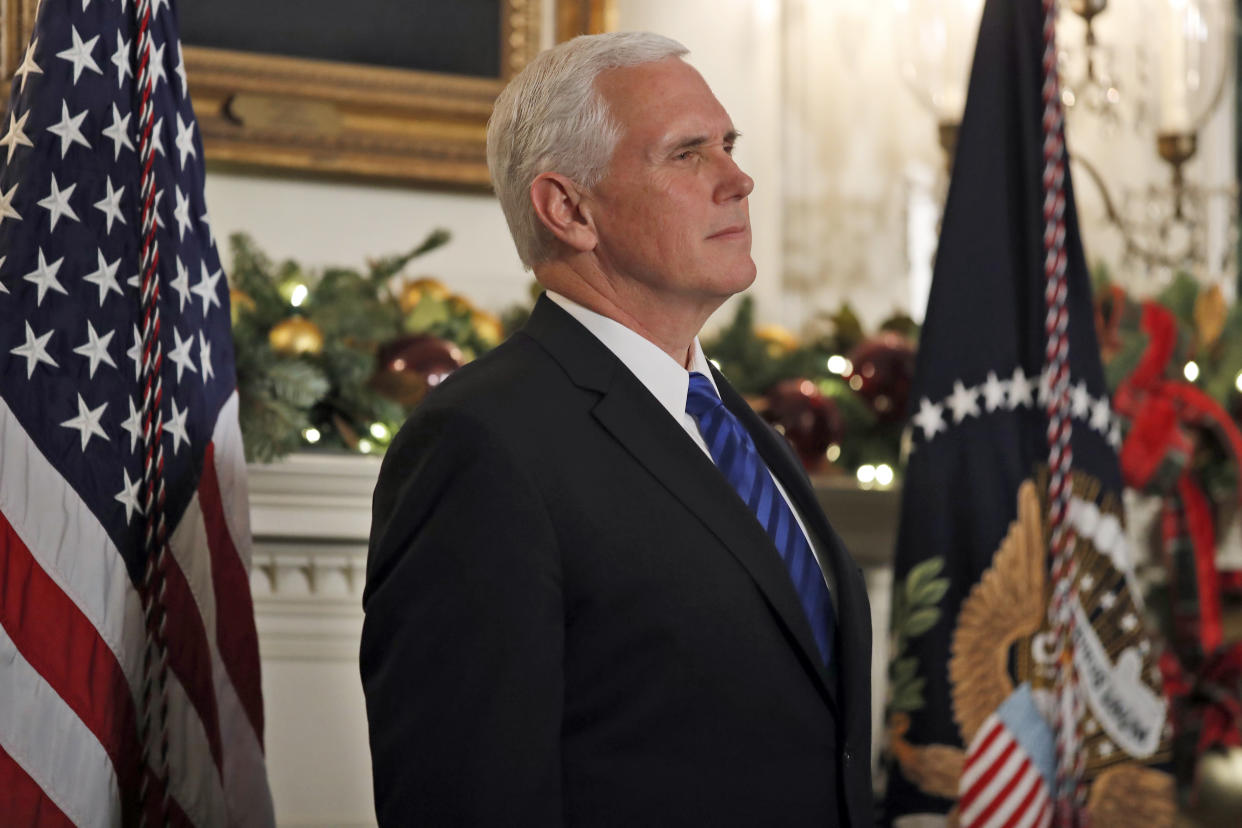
[600, 590]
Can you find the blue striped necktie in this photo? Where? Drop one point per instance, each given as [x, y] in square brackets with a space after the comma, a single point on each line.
[736, 456]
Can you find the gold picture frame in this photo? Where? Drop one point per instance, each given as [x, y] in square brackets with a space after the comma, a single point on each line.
[336, 119]
[272, 112]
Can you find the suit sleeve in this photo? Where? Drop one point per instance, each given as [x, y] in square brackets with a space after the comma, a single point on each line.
[463, 636]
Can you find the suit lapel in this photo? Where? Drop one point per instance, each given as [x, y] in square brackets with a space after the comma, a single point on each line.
[636, 419]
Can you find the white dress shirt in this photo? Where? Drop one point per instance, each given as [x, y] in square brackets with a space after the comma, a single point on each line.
[667, 381]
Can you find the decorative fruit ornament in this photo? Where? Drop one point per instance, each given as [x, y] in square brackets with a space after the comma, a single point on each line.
[415, 290]
[883, 368]
[808, 420]
[296, 335]
[410, 366]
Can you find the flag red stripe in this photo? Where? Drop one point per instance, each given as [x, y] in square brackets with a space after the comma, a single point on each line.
[236, 636]
[22, 802]
[189, 656]
[1021, 811]
[982, 782]
[1002, 796]
[976, 751]
[176, 817]
[64, 647]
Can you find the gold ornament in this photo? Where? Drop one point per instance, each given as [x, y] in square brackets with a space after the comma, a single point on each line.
[487, 327]
[1210, 312]
[239, 303]
[413, 292]
[777, 340]
[296, 335]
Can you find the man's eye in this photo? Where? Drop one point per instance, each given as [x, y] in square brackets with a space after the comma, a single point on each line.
[685, 155]
[728, 148]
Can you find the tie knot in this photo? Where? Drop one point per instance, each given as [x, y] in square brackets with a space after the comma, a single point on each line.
[702, 396]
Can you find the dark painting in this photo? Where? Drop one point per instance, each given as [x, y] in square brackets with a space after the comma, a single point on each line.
[460, 37]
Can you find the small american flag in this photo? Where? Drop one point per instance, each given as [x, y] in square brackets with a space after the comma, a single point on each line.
[1007, 776]
[71, 447]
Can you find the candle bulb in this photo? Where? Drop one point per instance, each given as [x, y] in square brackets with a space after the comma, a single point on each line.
[1174, 94]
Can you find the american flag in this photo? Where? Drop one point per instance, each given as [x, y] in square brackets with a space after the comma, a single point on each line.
[1007, 778]
[72, 552]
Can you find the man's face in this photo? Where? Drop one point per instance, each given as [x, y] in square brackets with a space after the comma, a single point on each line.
[671, 211]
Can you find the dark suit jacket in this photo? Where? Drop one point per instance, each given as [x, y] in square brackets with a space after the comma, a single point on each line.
[572, 618]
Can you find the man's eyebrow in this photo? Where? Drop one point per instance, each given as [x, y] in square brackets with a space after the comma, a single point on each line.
[693, 141]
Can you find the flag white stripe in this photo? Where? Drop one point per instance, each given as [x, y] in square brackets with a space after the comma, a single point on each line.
[48, 740]
[70, 544]
[192, 777]
[976, 766]
[231, 473]
[1000, 780]
[1032, 816]
[244, 777]
[1014, 798]
[247, 797]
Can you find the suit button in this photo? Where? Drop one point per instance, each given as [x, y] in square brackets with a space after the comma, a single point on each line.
[849, 756]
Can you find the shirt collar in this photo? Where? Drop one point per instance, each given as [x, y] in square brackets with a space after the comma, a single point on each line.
[667, 380]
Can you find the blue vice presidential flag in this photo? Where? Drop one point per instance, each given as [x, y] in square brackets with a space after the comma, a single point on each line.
[971, 714]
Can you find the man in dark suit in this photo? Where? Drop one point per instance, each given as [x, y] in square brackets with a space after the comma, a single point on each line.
[596, 596]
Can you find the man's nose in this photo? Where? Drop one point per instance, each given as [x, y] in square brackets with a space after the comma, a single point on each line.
[734, 183]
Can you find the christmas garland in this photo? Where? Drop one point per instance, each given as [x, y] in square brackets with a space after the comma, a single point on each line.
[337, 359]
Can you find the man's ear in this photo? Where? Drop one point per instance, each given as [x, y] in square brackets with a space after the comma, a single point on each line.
[558, 203]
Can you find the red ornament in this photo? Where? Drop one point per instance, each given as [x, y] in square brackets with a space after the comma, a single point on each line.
[881, 373]
[410, 366]
[809, 420]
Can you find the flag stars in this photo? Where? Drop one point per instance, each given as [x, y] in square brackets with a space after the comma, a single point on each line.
[1114, 434]
[158, 72]
[95, 349]
[930, 418]
[1080, 401]
[174, 426]
[185, 139]
[135, 353]
[204, 357]
[16, 135]
[120, 59]
[964, 402]
[69, 129]
[3, 289]
[118, 132]
[128, 496]
[79, 54]
[28, 65]
[1108, 600]
[133, 425]
[994, 391]
[1101, 414]
[34, 351]
[185, 86]
[57, 203]
[110, 204]
[6, 204]
[105, 278]
[180, 355]
[1086, 581]
[207, 290]
[181, 284]
[87, 422]
[1129, 623]
[1019, 390]
[181, 212]
[44, 278]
